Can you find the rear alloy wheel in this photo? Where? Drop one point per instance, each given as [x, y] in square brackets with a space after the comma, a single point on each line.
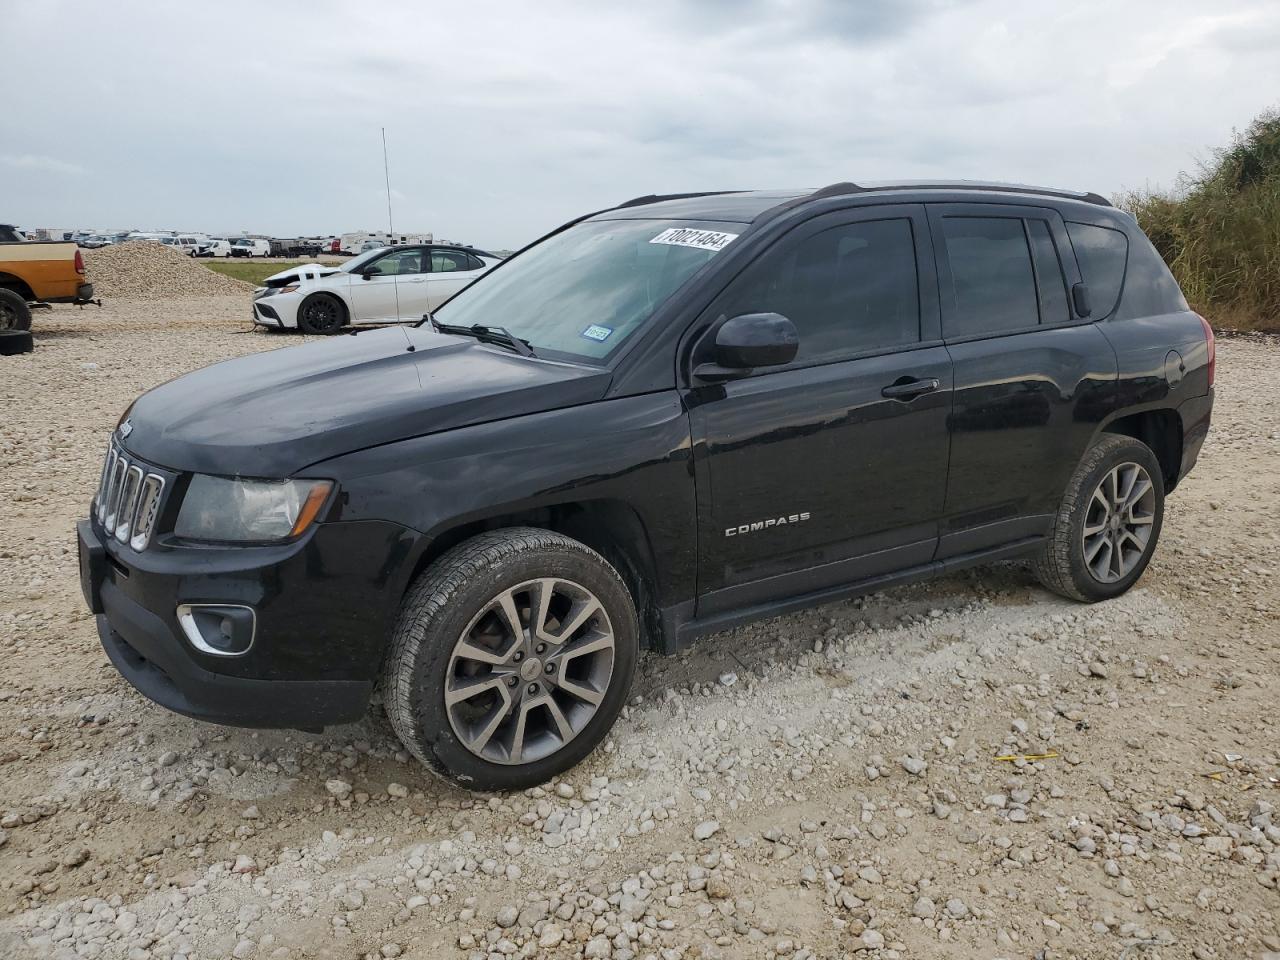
[1108, 524]
[511, 659]
[321, 314]
[1118, 521]
[14, 312]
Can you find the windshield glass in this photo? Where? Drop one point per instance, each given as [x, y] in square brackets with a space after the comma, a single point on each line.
[584, 291]
[355, 263]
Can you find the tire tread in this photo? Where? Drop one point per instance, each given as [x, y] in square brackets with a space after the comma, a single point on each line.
[430, 594]
[1052, 564]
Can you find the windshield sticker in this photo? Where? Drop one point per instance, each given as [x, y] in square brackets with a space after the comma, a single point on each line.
[596, 333]
[699, 239]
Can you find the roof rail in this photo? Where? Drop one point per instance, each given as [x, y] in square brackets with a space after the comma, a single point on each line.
[659, 198]
[989, 186]
[980, 186]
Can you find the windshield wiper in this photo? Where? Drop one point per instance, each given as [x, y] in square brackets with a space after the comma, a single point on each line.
[496, 335]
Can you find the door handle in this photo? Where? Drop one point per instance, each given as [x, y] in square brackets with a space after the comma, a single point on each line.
[908, 389]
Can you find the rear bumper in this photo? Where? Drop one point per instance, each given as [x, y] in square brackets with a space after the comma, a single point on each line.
[1195, 414]
[83, 294]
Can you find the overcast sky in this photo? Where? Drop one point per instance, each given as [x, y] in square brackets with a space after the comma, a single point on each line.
[505, 119]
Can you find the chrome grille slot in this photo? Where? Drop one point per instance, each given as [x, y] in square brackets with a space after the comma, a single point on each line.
[128, 501]
[113, 494]
[148, 509]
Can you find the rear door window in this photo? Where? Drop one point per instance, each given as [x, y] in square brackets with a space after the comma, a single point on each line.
[1102, 254]
[1049, 279]
[993, 283]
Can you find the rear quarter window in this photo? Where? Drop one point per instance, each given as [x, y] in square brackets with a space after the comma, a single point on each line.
[1149, 287]
[1102, 254]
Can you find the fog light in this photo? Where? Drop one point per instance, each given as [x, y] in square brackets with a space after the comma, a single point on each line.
[219, 629]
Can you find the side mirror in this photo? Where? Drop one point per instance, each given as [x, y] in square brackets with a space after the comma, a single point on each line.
[749, 341]
[368, 274]
[1080, 296]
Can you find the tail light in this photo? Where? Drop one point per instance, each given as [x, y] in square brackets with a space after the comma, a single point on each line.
[1212, 344]
[79, 264]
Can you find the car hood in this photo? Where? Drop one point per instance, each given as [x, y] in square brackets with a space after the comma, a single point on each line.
[273, 414]
[302, 271]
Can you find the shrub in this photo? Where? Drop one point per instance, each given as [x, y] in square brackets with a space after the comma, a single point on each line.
[1219, 229]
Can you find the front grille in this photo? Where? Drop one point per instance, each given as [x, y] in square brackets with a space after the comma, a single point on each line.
[128, 499]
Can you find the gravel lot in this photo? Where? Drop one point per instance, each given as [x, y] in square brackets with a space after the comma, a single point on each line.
[821, 785]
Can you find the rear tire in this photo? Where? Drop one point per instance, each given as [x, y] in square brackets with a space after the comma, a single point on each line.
[14, 312]
[489, 706]
[321, 314]
[1108, 524]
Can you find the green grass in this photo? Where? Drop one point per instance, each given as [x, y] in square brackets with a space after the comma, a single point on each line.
[251, 271]
[1219, 230]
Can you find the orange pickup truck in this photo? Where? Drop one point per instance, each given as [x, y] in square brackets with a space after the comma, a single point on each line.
[37, 271]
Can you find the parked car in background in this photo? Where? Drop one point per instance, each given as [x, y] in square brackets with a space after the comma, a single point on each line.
[96, 241]
[250, 247]
[666, 419]
[214, 248]
[384, 285]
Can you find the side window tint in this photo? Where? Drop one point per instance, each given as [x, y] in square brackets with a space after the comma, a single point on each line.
[848, 289]
[1049, 278]
[398, 264]
[448, 261]
[1149, 287]
[994, 288]
[1101, 253]
[474, 262]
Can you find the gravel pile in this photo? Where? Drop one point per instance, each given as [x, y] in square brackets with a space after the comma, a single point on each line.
[151, 270]
[970, 768]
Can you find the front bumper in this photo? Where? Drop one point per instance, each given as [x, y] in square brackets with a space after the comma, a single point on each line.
[323, 623]
[280, 310]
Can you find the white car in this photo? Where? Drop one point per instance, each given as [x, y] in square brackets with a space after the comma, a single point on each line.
[386, 285]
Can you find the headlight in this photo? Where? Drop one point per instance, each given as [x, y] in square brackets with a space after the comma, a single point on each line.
[216, 508]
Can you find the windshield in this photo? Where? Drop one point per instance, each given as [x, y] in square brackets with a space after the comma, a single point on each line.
[584, 291]
[355, 263]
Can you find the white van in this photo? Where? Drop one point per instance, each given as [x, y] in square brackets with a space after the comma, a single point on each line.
[214, 248]
[250, 247]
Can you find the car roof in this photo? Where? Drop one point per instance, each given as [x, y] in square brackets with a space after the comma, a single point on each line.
[748, 205]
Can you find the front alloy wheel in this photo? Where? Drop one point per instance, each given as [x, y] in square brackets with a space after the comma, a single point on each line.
[511, 658]
[530, 670]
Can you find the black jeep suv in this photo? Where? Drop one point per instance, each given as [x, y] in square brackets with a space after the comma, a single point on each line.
[662, 419]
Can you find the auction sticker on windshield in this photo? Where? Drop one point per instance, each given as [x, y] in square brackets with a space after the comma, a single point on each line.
[699, 239]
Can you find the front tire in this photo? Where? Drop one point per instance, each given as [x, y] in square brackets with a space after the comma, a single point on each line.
[321, 314]
[511, 658]
[14, 312]
[1108, 524]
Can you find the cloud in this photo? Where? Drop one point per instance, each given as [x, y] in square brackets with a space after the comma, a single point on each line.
[32, 161]
[505, 119]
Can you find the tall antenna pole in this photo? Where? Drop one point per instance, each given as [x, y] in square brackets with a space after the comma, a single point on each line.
[386, 171]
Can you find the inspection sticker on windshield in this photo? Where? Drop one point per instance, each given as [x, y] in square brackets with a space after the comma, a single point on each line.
[701, 239]
[599, 334]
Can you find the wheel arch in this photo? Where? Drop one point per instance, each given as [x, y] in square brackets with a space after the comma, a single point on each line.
[1160, 429]
[611, 527]
[325, 291]
[9, 281]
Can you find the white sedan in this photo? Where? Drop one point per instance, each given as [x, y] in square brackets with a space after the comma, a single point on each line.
[386, 285]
